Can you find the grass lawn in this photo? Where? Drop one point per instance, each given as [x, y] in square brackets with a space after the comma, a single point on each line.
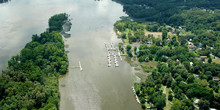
[162, 87]
[155, 34]
[168, 105]
[151, 63]
[147, 67]
[216, 61]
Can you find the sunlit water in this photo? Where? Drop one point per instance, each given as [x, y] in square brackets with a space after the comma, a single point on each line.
[97, 87]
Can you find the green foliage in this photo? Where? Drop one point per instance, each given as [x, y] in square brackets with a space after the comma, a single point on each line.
[170, 97]
[56, 22]
[31, 79]
[133, 31]
[143, 106]
[175, 13]
[184, 104]
[147, 68]
[128, 48]
[153, 28]
[164, 34]
[204, 105]
[197, 20]
[210, 60]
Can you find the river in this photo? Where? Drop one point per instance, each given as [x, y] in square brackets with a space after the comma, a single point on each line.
[97, 87]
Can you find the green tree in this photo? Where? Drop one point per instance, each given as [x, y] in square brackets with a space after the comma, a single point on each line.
[204, 104]
[210, 60]
[190, 79]
[176, 105]
[164, 34]
[128, 48]
[135, 50]
[159, 102]
[170, 97]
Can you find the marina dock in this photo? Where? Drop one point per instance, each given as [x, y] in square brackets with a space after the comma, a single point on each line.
[112, 52]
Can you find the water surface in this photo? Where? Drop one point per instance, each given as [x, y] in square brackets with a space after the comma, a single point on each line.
[97, 87]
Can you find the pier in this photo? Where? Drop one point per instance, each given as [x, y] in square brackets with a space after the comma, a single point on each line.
[80, 67]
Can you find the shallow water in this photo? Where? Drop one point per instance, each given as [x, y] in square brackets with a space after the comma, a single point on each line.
[97, 87]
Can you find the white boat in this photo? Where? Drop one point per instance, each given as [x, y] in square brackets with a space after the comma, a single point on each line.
[137, 99]
[109, 64]
[116, 65]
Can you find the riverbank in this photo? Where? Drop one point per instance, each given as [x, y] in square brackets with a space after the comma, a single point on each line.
[171, 60]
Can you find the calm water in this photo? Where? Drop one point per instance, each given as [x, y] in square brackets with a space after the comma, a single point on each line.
[97, 87]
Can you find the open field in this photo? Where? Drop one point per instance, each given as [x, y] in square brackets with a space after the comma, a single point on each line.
[155, 34]
[216, 61]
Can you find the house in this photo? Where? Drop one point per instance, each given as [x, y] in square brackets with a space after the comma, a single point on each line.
[148, 43]
[199, 49]
[196, 76]
[200, 45]
[203, 57]
[137, 50]
[191, 47]
[196, 101]
[189, 43]
[177, 60]
[215, 78]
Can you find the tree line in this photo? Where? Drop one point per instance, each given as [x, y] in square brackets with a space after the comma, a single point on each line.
[199, 17]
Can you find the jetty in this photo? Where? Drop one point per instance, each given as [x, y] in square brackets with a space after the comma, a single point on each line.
[80, 67]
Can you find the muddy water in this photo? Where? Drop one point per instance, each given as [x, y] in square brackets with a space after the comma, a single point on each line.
[97, 87]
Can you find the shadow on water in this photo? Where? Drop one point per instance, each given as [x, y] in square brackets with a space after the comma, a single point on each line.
[66, 28]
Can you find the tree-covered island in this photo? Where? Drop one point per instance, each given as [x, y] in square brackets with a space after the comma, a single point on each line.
[31, 78]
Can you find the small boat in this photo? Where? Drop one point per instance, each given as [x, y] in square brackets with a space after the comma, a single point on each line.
[109, 64]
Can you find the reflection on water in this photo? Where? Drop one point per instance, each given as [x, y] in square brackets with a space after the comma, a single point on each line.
[97, 87]
[4, 1]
